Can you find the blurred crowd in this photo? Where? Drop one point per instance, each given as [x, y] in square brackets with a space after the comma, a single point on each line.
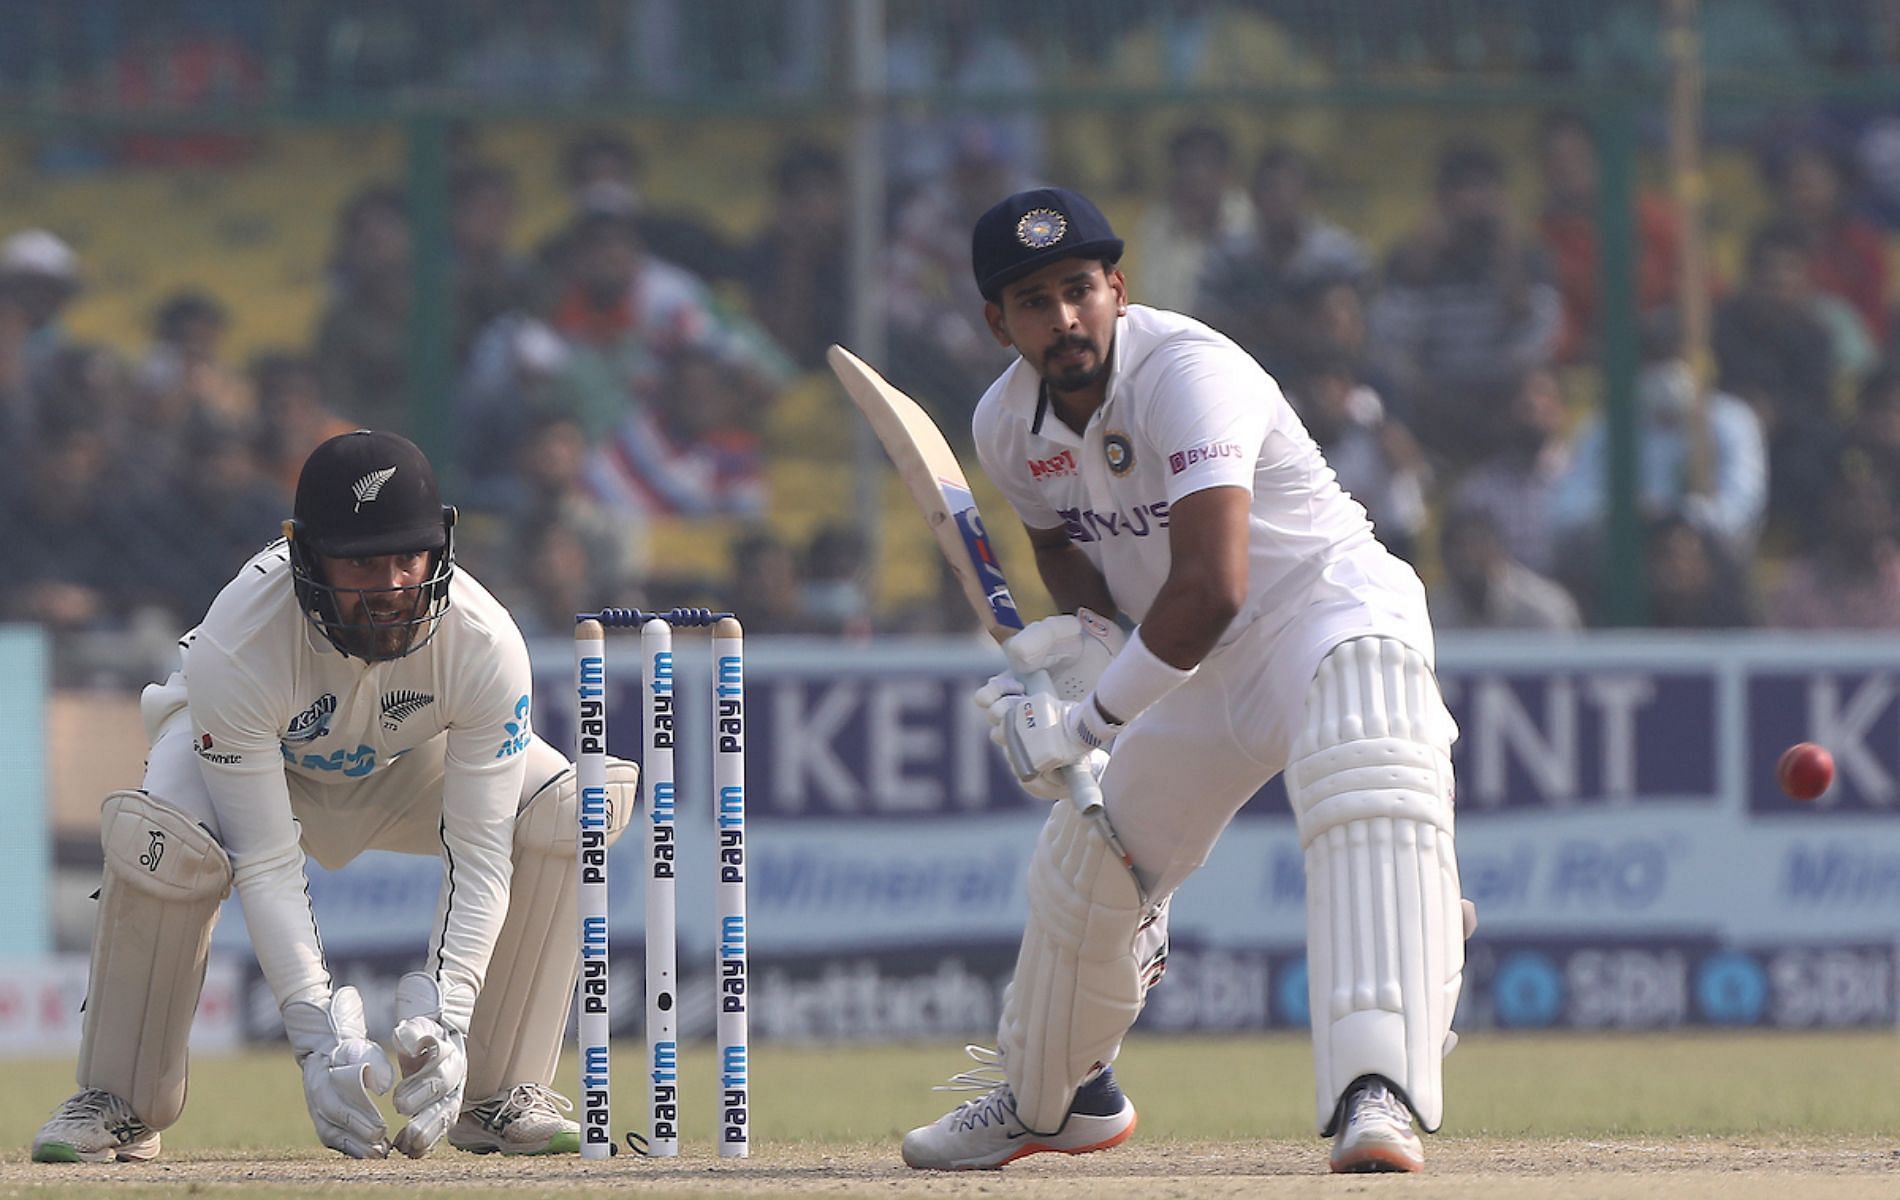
[624, 369]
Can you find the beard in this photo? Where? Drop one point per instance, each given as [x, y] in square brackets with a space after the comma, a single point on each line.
[1079, 376]
[378, 634]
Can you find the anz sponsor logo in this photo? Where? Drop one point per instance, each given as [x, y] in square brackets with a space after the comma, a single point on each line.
[517, 730]
[313, 722]
[351, 764]
[1087, 525]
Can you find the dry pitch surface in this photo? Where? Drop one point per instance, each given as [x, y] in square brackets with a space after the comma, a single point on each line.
[1744, 1116]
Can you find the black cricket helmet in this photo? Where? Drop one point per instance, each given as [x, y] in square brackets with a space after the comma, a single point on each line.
[363, 495]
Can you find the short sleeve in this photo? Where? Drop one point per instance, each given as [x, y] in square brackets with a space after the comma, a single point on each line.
[1209, 415]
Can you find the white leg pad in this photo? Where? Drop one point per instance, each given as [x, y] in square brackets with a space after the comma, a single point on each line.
[521, 1015]
[1371, 785]
[1080, 979]
[164, 878]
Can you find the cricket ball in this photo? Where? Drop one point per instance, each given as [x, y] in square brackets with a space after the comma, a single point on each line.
[1805, 770]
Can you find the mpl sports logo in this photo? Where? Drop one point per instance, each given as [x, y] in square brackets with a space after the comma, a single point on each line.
[1181, 460]
[1053, 467]
[983, 560]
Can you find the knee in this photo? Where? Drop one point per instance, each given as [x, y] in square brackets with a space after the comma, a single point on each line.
[549, 823]
[157, 849]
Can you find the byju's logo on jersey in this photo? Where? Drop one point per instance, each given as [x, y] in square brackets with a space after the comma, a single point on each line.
[1181, 460]
[313, 722]
[401, 705]
[1119, 451]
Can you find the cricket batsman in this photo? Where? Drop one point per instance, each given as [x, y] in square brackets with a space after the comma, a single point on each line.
[1163, 478]
[349, 690]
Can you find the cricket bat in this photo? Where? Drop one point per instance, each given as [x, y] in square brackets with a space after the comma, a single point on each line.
[929, 468]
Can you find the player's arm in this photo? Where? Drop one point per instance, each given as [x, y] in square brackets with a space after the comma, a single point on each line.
[1207, 575]
[1074, 582]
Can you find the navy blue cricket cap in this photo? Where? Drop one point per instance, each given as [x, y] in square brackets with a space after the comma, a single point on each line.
[1027, 231]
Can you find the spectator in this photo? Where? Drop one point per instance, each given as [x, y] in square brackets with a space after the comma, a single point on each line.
[1375, 459]
[39, 277]
[1773, 349]
[19, 402]
[89, 385]
[1849, 578]
[223, 510]
[627, 316]
[1468, 306]
[65, 569]
[293, 418]
[797, 271]
[1847, 254]
[604, 173]
[1200, 207]
[1694, 581]
[184, 377]
[1874, 435]
[1729, 506]
[553, 581]
[1513, 487]
[516, 373]
[1485, 588]
[831, 588]
[1253, 276]
[490, 277]
[1567, 159]
[549, 489]
[941, 351]
[763, 585]
[362, 343]
[693, 450]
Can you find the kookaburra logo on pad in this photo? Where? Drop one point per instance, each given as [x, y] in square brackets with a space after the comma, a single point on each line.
[369, 485]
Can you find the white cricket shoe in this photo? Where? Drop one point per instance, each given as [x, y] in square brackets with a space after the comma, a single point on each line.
[525, 1119]
[1376, 1133]
[984, 1133]
[95, 1126]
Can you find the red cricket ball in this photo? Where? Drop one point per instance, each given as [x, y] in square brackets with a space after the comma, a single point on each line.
[1805, 770]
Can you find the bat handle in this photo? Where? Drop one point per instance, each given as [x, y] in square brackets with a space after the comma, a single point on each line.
[1085, 792]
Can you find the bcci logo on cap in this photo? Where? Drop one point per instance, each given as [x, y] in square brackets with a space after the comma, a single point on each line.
[1041, 228]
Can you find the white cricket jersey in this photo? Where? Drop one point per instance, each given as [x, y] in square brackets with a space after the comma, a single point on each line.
[1186, 409]
[270, 697]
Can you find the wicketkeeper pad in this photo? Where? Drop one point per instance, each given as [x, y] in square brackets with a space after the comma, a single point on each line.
[1090, 952]
[1371, 786]
[164, 878]
[521, 1015]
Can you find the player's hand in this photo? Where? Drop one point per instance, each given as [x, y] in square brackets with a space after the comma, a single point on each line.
[434, 1062]
[1040, 734]
[342, 1070]
[1053, 786]
[1074, 649]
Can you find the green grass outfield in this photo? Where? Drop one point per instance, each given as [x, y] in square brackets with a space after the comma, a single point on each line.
[1525, 1113]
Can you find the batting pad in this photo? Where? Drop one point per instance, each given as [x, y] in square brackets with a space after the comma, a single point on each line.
[1371, 786]
[1080, 976]
[164, 878]
[521, 1014]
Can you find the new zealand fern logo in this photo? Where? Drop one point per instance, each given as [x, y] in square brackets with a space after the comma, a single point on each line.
[369, 485]
[401, 705]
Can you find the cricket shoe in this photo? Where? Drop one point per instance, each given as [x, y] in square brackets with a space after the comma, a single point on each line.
[96, 1127]
[1376, 1133]
[985, 1133]
[525, 1119]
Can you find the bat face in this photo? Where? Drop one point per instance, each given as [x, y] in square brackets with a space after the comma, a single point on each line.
[937, 483]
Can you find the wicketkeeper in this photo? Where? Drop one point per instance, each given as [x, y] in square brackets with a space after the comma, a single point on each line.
[349, 690]
[1162, 475]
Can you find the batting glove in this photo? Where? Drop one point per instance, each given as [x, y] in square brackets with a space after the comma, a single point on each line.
[342, 1069]
[1041, 734]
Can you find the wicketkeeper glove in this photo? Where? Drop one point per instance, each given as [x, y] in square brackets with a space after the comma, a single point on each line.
[342, 1069]
[434, 1060]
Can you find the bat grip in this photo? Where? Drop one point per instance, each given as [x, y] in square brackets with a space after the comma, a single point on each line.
[1086, 793]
